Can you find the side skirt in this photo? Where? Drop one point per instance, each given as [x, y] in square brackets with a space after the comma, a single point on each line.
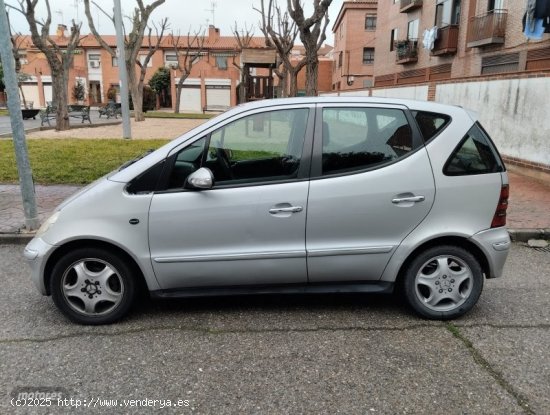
[380, 287]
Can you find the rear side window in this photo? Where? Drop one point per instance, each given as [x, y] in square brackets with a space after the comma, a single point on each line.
[430, 123]
[355, 139]
[475, 154]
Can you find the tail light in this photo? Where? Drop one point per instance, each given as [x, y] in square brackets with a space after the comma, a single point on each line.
[499, 219]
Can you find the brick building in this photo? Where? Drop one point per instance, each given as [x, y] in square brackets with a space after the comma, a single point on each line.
[354, 45]
[213, 80]
[474, 37]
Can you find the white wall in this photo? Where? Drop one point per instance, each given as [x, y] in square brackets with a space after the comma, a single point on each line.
[515, 113]
[419, 92]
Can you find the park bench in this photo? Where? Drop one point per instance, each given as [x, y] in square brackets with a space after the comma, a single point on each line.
[215, 108]
[81, 112]
[112, 109]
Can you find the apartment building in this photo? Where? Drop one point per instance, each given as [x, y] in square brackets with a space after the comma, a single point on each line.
[354, 45]
[464, 38]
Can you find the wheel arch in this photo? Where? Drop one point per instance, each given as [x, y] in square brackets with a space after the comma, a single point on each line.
[461, 242]
[92, 243]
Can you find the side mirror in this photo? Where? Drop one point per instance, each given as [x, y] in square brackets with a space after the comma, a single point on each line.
[200, 179]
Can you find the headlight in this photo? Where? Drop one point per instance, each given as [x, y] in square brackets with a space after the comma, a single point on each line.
[46, 225]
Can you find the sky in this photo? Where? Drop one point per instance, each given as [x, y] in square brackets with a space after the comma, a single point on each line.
[183, 15]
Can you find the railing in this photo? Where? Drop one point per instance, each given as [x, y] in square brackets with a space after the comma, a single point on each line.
[406, 51]
[408, 5]
[447, 40]
[487, 29]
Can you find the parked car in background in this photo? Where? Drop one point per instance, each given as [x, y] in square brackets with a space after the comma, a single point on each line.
[303, 195]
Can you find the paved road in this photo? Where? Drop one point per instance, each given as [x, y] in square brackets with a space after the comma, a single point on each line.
[275, 355]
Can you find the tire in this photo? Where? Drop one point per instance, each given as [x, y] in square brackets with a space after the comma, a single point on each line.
[443, 282]
[92, 286]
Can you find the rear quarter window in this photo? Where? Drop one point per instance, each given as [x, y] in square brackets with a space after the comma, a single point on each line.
[476, 154]
[430, 123]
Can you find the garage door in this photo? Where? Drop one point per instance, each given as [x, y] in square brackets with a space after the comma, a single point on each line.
[190, 99]
[31, 95]
[218, 95]
[48, 93]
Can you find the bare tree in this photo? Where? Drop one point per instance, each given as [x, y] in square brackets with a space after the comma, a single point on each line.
[16, 42]
[243, 38]
[133, 44]
[187, 55]
[312, 34]
[59, 60]
[281, 33]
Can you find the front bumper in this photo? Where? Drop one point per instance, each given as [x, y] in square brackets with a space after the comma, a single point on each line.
[495, 244]
[37, 253]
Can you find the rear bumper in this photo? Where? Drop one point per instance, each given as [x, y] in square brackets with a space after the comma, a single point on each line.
[495, 244]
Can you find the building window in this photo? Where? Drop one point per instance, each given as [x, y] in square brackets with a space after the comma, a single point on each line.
[368, 56]
[447, 12]
[495, 5]
[114, 61]
[412, 30]
[171, 60]
[393, 37]
[94, 60]
[370, 22]
[221, 62]
[142, 60]
[340, 58]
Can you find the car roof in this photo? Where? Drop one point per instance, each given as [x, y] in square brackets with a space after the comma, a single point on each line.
[409, 103]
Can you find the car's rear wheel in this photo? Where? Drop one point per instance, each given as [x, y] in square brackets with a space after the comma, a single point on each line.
[92, 286]
[443, 282]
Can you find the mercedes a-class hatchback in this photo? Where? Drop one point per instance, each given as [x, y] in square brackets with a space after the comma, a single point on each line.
[304, 195]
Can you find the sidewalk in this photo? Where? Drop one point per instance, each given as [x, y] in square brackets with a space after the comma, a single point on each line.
[528, 212]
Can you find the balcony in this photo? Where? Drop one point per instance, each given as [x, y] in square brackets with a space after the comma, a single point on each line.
[447, 41]
[406, 6]
[488, 29]
[406, 51]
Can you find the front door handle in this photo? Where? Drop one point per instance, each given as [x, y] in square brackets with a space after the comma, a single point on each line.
[289, 209]
[410, 199]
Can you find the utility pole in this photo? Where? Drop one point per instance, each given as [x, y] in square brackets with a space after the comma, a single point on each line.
[18, 129]
[123, 75]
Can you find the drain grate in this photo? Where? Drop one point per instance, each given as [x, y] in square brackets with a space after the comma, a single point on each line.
[545, 249]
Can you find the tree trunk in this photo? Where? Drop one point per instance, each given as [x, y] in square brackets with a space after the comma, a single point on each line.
[312, 74]
[293, 89]
[22, 95]
[282, 86]
[137, 94]
[60, 97]
[179, 87]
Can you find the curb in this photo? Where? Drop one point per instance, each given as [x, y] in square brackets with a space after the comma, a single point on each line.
[517, 235]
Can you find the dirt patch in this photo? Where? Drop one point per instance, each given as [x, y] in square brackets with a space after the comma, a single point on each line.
[150, 128]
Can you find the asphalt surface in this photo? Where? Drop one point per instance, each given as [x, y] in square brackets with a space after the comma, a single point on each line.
[327, 354]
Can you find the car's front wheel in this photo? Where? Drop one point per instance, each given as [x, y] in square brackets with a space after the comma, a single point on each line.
[92, 286]
[443, 282]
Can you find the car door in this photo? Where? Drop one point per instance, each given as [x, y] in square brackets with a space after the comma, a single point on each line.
[250, 227]
[371, 185]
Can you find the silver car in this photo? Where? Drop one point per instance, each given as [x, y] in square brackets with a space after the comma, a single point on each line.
[304, 195]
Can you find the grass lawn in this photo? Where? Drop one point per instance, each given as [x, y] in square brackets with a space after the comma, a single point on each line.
[162, 114]
[4, 112]
[72, 161]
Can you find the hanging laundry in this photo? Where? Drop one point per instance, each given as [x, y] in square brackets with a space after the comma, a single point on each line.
[537, 31]
[429, 37]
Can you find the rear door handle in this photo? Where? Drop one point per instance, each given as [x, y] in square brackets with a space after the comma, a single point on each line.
[289, 209]
[413, 199]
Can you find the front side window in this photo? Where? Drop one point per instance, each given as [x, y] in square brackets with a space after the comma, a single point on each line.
[361, 138]
[257, 148]
[475, 154]
[412, 29]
